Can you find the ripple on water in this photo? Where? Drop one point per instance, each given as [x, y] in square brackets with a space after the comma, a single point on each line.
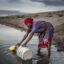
[12, 36]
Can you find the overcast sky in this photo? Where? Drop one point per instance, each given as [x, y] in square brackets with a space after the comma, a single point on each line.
[32, 6]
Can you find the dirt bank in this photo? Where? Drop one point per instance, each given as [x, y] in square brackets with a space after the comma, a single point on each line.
[56, 18]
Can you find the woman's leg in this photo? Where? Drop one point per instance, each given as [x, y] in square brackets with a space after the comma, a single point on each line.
[47, 39]
[40, 36]
[47, 44]
[49, 49]
[39, 50]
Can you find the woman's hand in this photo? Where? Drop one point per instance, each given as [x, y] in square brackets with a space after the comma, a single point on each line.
[28, 39]
[18, 44]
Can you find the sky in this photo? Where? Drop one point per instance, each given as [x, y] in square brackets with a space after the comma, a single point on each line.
[32, 6]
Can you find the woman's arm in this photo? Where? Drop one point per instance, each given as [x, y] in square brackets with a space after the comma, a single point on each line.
[30, 36]
[25, 36]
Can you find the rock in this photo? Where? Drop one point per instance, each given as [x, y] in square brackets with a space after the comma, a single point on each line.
[60, 49]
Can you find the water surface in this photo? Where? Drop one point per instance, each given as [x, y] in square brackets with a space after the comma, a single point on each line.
[10, 36]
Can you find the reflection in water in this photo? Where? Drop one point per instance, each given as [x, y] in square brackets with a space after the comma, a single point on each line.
[10, 36]
[43, 60]
[23, 61]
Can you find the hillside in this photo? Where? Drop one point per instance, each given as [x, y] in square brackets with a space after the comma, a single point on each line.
[10, 12]
[56, 18]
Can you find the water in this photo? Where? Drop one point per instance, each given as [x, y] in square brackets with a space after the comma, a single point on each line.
[10, 36]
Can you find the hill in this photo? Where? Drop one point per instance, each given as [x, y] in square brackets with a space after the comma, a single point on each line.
[55, 17]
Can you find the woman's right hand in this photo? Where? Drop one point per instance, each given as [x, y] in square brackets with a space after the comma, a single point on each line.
[18, 44]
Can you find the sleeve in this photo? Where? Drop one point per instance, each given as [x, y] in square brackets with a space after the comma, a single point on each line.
[33, 30]
[35, 27]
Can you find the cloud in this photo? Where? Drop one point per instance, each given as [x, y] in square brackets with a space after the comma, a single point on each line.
[32, 5]
[13, 0]
[51, 2]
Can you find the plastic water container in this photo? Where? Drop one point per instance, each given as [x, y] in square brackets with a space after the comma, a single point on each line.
[24, 53]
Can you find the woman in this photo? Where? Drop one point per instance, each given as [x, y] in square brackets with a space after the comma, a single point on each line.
[44, 31]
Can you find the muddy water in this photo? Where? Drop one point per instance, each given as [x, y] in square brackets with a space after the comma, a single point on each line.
[10, 36]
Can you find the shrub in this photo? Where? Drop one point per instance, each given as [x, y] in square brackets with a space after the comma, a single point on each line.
[60, 15]
[21, 16]
[49, 15]
[36, 16]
